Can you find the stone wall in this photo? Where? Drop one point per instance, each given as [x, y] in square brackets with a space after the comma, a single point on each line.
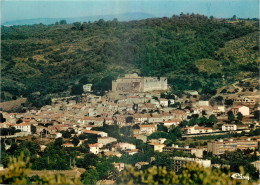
[133, 83]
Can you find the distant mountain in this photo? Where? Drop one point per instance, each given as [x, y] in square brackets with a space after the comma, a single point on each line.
[46, 21]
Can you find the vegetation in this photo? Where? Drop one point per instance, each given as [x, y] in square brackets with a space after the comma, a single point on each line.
[191, 174]
[19, 168]
[56, 157]
[43, 61]
[203, 121]
[236, 159]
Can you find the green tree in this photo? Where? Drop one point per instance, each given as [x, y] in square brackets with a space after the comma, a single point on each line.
[239, 116]
[257, 115]
[212, 120]
[126, 130]
[231, 116]
[89, 161]
[176, 131]
[75, 140]
[90, 176]
[66, 134]
[162, 128]
[228, 102]
[77, 89]
[33, 129]
[58, 142]
[129, 119]
[63, 22]
[84, 148]
[2, 119]
[77, 25]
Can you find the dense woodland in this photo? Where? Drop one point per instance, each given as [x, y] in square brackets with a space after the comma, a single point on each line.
[193, 51]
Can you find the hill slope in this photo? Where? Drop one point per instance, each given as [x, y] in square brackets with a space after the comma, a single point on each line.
[60, 58]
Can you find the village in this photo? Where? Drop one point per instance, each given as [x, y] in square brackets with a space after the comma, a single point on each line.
[145, 107]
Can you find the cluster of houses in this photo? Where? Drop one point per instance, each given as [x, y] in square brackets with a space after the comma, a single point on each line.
[147, 109]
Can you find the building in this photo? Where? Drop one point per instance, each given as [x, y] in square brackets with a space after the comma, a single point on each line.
[134, 83]
[244, 101]
[203, 103]
[178, 162]
[256, 164]
[157, 147]
[119, 166]
[169, 123]
[221, 146]
[221, 109]
[110, 153]
[100, 133]
[198, 152]
[147, 129]
[242, 109]
[229, 127]
[131, 152]
[94, 148]
[125, 146]
[159, 140]
[68, 145]
[106, 140]
[87, 88]
[164, 102]
[139, 165]
[24, 127]
[197, 130]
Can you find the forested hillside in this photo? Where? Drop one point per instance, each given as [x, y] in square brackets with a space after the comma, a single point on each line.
[193, 51]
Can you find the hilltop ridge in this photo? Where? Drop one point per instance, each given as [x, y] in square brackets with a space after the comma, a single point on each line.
[48, 21]
[42, 61]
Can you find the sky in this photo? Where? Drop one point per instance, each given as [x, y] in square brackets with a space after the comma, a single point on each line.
[19, 10]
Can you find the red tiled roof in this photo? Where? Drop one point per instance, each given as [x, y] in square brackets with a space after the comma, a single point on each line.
[94, 145]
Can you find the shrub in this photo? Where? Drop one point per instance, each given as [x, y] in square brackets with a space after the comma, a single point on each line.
[19, 168]
[191, 174]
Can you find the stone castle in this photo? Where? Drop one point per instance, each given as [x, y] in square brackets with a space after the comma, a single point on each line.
[135, 83]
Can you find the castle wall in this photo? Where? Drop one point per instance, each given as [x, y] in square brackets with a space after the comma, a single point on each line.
[127, 84]
[114, 85]
[152, 84]
[139, 84]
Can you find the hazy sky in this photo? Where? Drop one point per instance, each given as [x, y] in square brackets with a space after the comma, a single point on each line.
[17, 10]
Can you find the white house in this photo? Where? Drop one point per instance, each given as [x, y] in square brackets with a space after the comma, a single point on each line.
[197, 130]
[147, 129]
[100, 133]
[94, 148]
[125, 146]
[24, 127]
[87, 88]
[169, 123]
[157, 146]
[172, 101]
[229, 127]
[58, 135]
[164, 102]
[242, 109]
[204, 103]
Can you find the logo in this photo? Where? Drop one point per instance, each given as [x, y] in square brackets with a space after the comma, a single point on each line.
[239, 176]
